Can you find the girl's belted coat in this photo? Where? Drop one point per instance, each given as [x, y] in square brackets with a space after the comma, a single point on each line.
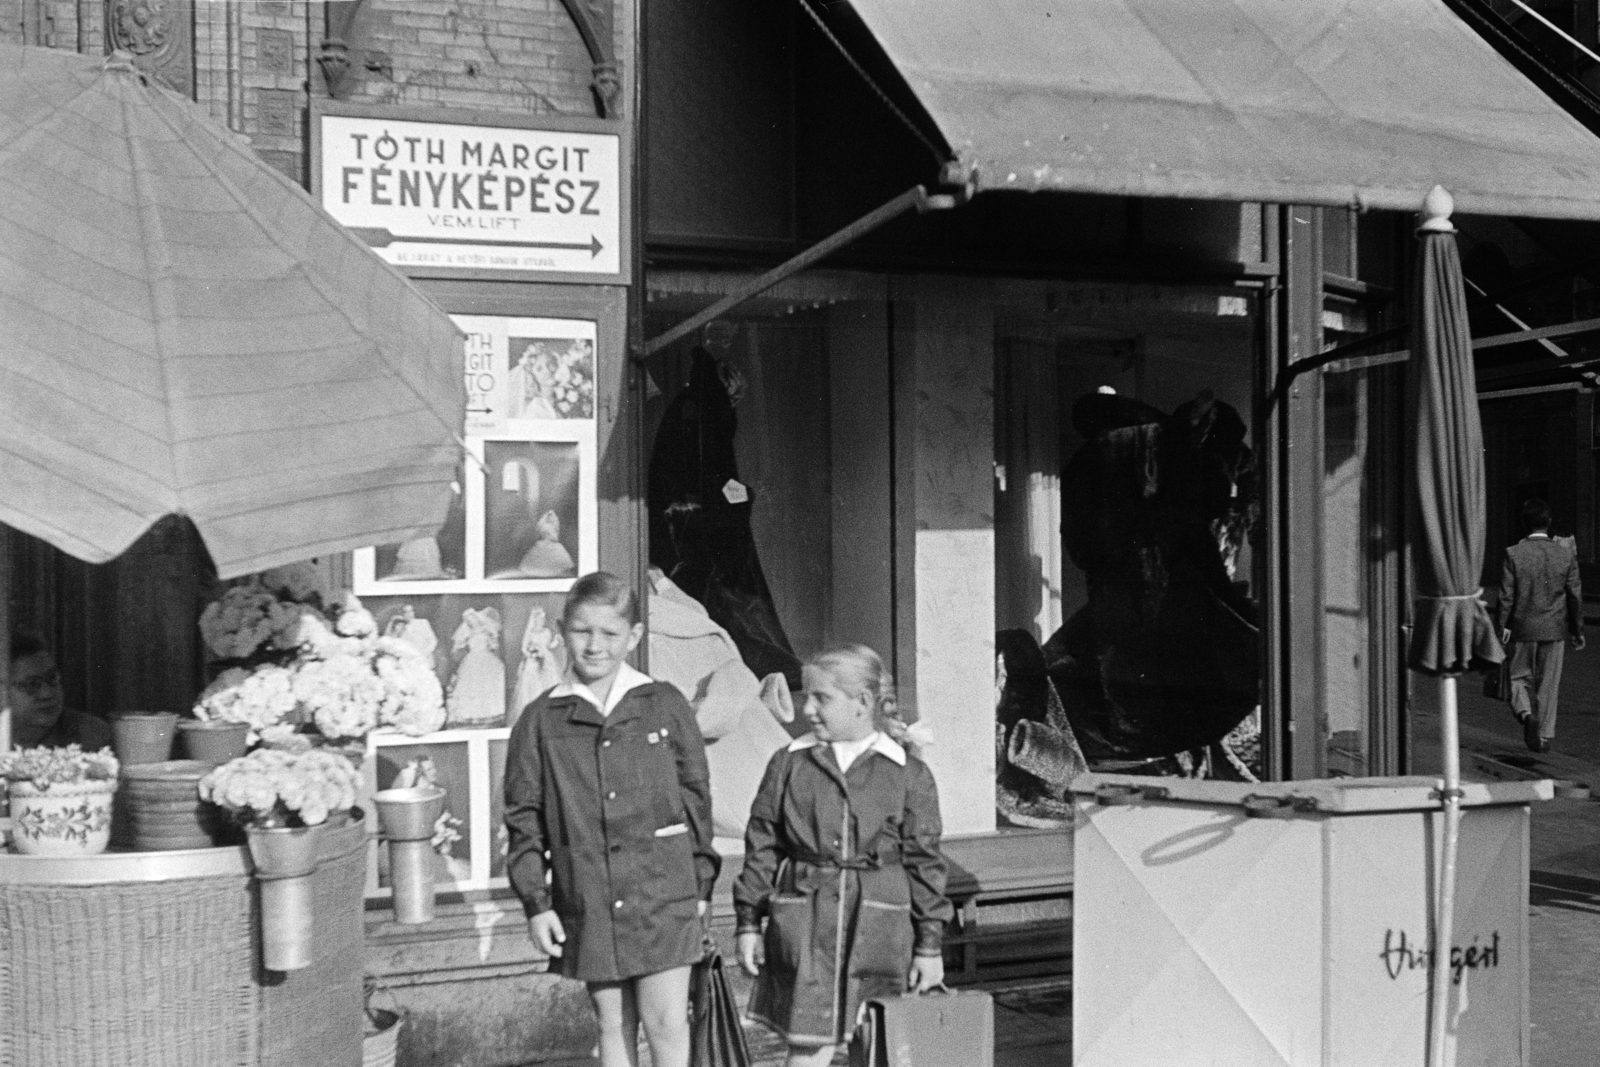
[622, 805]
[845, 868]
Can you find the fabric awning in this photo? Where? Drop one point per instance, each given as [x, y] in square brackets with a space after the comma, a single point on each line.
[186, 331]
[1367, 103]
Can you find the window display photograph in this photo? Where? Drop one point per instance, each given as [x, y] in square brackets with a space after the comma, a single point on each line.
[441, 557]
[531, 510]
[550, 378]
[493, 654]
[527, 370]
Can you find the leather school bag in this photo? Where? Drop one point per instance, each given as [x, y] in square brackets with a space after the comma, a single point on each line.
[937, 1029]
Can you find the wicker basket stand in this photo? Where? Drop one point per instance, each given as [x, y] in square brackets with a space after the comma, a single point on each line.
[152, 959]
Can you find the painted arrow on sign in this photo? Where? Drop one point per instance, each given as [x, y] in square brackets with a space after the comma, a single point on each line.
[383, 239]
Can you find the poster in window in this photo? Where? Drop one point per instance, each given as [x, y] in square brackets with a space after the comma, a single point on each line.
[526, 513]
[533, 526]
[425, 560]
[493, 653]
[549, 376]
[527, 370]
[528, 516]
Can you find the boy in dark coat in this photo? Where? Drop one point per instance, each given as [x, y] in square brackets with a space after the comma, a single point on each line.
[607, 772]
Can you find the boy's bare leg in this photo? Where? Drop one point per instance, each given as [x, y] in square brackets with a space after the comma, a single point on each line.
[663, 1008]
[616, 1011]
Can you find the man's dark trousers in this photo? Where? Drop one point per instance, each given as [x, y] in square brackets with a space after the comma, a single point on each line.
[1536, 681]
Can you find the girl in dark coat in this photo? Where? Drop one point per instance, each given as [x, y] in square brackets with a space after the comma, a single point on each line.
[842, 860]
[606, 773]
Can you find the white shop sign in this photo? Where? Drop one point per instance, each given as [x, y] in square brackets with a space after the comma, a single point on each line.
[481, 198]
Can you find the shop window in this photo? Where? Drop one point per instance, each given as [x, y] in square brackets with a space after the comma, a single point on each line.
[1126, 504]
[1360, 554]
[902, 443]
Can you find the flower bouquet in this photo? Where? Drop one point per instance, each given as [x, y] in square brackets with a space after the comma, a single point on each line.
[273, 789]
[573, 381]
[60, 799]
[296, 662]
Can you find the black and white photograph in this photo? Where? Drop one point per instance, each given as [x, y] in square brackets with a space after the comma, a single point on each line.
[531, 510]
[441, 557]
[550, 378]
[493, 653]
[1133, 463]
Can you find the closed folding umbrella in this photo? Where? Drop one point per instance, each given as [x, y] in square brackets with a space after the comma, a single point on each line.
[1452, 631]
[184, 330]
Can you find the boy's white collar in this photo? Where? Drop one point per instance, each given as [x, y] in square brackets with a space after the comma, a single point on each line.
[883, 744]
[626, 681]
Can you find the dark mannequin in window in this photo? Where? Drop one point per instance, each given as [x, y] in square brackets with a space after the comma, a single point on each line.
[1164, 657]
[39, 715]
[700, 533]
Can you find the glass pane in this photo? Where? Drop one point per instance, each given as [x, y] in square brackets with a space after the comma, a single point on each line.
[1125, 505]
[1346, 617]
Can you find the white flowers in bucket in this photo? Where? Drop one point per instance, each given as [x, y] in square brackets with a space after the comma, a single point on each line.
[272, 789]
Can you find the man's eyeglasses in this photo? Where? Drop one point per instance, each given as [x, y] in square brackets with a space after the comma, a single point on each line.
[38, 685]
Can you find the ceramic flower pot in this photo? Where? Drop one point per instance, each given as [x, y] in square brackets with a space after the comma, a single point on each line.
[61, 820]
[285, 859]
[143, 736]
[407, 818]
[213, 743]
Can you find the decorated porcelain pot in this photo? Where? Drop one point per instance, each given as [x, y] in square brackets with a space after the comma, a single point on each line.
[72, 819]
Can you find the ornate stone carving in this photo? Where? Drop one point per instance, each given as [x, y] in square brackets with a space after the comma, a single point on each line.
[335, 58]
[160, 36]
[593, 21]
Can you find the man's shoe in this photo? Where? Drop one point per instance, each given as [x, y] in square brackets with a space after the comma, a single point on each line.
[1544, 744]
[1530, 732]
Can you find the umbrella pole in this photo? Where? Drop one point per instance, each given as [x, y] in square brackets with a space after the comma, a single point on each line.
[1444, 927]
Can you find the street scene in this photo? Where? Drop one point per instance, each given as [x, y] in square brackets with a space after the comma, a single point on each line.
[783, 533]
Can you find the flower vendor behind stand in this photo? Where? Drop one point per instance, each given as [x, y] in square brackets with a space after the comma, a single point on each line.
[311, 678]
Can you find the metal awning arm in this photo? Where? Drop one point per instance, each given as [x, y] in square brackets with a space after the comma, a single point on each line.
[916, 197]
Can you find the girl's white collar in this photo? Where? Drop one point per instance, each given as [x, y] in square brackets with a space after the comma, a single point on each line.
[883, 744]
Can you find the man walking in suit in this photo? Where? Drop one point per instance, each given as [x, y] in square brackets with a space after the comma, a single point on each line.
[1541, 612]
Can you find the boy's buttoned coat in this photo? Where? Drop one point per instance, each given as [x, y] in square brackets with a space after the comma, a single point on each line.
[846, 869]
[622, 804]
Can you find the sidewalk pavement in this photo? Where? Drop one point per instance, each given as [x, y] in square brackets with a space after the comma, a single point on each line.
[1564, 880]
[1032, 1026]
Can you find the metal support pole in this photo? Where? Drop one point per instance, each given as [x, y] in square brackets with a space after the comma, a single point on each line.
[916, 197]
[1439, 1015]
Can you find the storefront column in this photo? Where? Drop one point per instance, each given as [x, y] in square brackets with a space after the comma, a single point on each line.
[946, 400]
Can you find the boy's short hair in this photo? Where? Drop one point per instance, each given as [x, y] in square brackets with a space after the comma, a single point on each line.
[1536, 514]
[602, 587]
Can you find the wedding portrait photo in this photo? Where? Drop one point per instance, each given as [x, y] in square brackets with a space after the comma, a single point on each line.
[531, 520]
